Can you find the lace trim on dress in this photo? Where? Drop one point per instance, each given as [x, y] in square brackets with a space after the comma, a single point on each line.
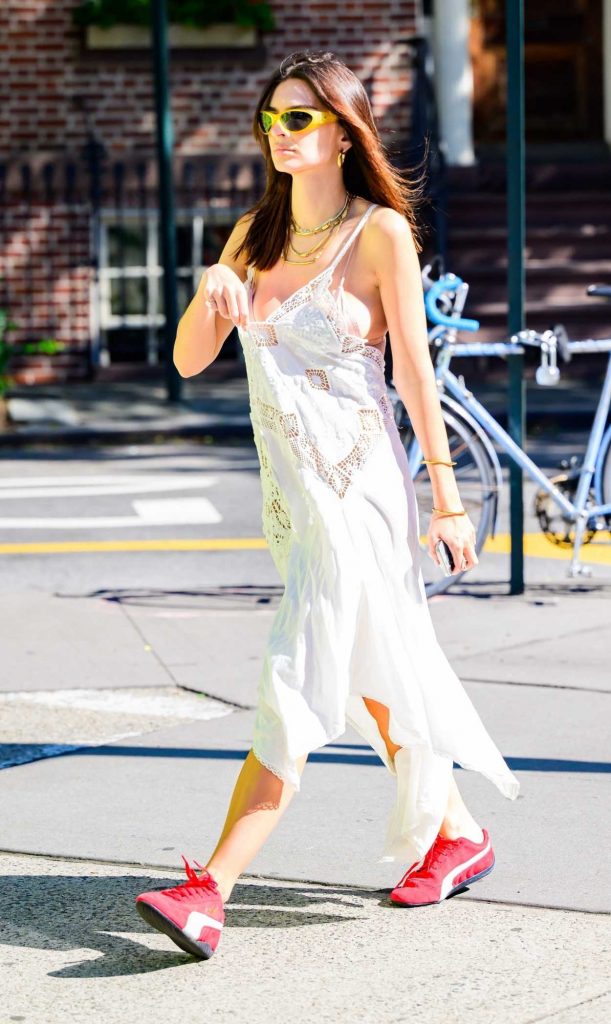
[270, 767]
[275, 512]
[298, 298]
[263, 334]
[336, 318]
[337, 474]
[318, 378]
[386, 406]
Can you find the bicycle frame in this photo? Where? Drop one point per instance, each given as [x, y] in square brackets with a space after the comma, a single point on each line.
[605, 443]
[444, 336]
[594, 450]
[467, 401]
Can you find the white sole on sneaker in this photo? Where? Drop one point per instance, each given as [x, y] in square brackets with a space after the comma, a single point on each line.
[447, 885]
[157, 920]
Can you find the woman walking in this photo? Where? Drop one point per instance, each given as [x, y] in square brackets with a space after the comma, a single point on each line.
[352, 639]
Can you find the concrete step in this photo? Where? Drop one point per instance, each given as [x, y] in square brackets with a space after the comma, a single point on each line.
[565, 211]
[541, 291]
[586, 271]
[549, 234]
[493, 320]
[490, 250]
[589, 170]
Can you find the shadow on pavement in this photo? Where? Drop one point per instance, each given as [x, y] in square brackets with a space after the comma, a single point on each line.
[14, 754]
[89, 912]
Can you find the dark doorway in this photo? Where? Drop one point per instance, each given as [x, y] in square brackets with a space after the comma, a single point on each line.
[563, 70]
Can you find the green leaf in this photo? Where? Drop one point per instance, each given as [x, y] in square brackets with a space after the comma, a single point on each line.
[199, 13]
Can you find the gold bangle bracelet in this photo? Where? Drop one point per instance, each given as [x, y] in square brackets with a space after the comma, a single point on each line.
[449, 512]
[437, 462]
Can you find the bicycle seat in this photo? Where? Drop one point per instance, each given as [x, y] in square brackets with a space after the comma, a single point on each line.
[601, 290]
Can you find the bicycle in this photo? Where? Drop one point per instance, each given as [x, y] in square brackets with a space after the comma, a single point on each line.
[572, 506]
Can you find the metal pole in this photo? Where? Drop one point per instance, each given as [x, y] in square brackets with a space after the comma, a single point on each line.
[166, 192]
[515, 274]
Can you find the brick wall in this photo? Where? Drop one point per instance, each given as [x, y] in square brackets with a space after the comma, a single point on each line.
[54, 96]
[49, 89]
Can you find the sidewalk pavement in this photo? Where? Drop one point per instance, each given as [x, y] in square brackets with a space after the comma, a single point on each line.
[123, 768]
[299, 953]
[116, 407]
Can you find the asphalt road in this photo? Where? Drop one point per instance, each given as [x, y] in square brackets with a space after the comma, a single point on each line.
[136, 513]
[136, 594]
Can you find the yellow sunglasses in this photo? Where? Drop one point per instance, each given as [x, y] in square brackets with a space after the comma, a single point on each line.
[294, 119]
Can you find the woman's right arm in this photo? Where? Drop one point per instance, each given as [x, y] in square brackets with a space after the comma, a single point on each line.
[201, 330]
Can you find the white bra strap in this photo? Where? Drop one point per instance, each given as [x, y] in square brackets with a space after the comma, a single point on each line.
[352, 237]
[346, 265]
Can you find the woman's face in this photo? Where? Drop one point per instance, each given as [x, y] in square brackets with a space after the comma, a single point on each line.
[311, 148]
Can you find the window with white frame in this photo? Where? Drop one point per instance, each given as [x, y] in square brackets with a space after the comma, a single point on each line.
[129, 305]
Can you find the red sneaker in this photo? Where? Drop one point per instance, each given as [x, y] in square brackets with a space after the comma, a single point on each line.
[449, 865]
[191, 913]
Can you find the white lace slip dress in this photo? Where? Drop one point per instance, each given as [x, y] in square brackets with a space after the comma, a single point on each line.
[341, 521]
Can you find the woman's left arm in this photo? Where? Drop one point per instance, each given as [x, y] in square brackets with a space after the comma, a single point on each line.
[399, 280]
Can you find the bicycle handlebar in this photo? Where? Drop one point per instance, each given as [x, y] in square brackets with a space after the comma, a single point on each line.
[550, 342]
[446, 283]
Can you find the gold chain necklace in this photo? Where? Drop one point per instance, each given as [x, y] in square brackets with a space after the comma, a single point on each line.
[327, 224]
[316, 246]
[314, 258]
[320, 246]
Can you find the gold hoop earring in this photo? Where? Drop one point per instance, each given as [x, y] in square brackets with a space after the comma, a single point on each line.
[341, 156]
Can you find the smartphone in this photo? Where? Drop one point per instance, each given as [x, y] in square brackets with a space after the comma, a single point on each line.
[445, 557]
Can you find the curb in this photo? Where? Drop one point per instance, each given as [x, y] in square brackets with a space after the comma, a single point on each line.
[66, 436]
[228, 428]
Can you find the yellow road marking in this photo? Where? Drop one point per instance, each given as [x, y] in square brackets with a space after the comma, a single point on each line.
[178, 544]
[535, 546]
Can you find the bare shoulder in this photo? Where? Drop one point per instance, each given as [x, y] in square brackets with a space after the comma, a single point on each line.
[388, 243]
[236, 237]
[386, 224]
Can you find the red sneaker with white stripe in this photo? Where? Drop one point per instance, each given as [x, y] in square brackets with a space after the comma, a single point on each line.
[192, 913]
[448, 866]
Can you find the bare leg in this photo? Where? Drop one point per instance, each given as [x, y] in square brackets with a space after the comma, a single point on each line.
[458, 820]
[258, 802]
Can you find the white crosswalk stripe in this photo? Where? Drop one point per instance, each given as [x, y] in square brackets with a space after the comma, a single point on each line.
[166, 511]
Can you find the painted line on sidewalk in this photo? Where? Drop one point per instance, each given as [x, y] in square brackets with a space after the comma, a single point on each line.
[535, 546]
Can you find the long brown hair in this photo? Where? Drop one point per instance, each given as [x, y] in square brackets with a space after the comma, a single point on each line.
[367, 169]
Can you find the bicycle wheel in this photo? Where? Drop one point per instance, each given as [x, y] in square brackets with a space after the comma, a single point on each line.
[476, 483]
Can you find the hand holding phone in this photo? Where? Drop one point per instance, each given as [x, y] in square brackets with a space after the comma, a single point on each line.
[445, 557]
